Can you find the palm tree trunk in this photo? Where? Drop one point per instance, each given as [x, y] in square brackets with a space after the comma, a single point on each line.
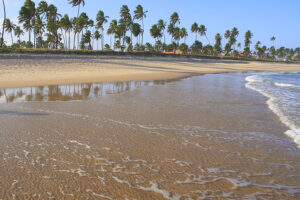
[143, 31]
[69, 39]
[207, 39]
[74, 46]
[110, 41]
[12, 40]
[102, 38]
[78, 11]
[2, 38]
[30, 36]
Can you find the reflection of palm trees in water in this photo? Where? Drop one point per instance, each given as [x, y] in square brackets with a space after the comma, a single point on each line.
[73, 91]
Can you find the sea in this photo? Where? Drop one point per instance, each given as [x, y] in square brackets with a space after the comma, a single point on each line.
[283, 92]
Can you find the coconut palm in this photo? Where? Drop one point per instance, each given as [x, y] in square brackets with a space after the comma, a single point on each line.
[97, 36]
[9, 27]
[39, 28]
[77, 3]
[3, 25]
[111, 29]
[155, 32]
[273, 40]
[195, 29]
[18, 33]
[162, 26]
[136, 30]
[174, 19]
[140, 14]
[202, 31]
[67, 26]
[171, 28]
[183, 34]
[26, 16]
[101, 20]
[217, 47]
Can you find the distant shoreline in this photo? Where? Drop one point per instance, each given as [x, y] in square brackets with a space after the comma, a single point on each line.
[24, 70]
[135, 54]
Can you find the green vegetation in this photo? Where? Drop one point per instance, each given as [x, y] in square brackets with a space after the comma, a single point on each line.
[50, 32]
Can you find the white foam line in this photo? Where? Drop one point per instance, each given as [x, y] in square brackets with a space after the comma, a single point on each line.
[80, 144]
[294, 133]
[98, 195]
[154, 188]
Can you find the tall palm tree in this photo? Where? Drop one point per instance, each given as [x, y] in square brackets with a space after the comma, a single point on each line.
[77, 3]
[162, 26]
[97, 36]
[174, 19]
[202, 31]
[26, 16]
[183, 34]
[195, 29]
[111, 30]
[3, 25]
[18, 33]
[140, 14]
[101, 20]
[136, 30]
[217, 47]
[273, 39]
[155, 32]
[10, 27]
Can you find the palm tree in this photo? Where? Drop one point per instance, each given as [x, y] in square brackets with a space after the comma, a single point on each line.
[273, 39]
[18, 33]
[77, 3]
[140, 14]
[162, 26]
[183, 34]
[136, 30]
[26, 16]
[10, 27]
[174, 19]
[155, 32]
[195, 29]
[67, 26]
[171, 28]
[202, 31]
[111, 29]
[3, 25]
[97, 36]
[101, 20]
[217, 47]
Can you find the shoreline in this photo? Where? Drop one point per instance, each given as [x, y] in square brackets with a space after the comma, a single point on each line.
[37, 70]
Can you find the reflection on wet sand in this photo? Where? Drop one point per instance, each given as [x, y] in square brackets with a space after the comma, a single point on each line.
[72, 92]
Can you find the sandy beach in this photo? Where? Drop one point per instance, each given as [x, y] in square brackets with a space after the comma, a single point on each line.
[38, 70]
[189, 136]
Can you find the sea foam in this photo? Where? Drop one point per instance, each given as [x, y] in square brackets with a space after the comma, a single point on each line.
[282, 100]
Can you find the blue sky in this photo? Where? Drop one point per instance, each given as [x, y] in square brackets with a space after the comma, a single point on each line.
[264, 18]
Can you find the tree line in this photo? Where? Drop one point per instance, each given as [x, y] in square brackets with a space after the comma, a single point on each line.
[47, 28]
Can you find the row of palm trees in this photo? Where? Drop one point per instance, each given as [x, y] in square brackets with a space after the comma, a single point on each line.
[52, 30]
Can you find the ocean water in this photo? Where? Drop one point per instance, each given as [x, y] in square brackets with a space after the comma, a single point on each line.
[283, 92]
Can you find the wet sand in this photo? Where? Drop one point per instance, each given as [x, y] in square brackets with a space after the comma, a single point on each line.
[204, 137]
[39, 70]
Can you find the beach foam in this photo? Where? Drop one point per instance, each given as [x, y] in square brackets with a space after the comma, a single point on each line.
[282, 99]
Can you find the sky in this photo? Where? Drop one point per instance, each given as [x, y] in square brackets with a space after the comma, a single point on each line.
[265, 18]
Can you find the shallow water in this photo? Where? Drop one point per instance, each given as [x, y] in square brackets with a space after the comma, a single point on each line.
[202, 137]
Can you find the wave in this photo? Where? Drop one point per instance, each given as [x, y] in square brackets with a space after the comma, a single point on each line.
[274, 106]
[286, 85]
